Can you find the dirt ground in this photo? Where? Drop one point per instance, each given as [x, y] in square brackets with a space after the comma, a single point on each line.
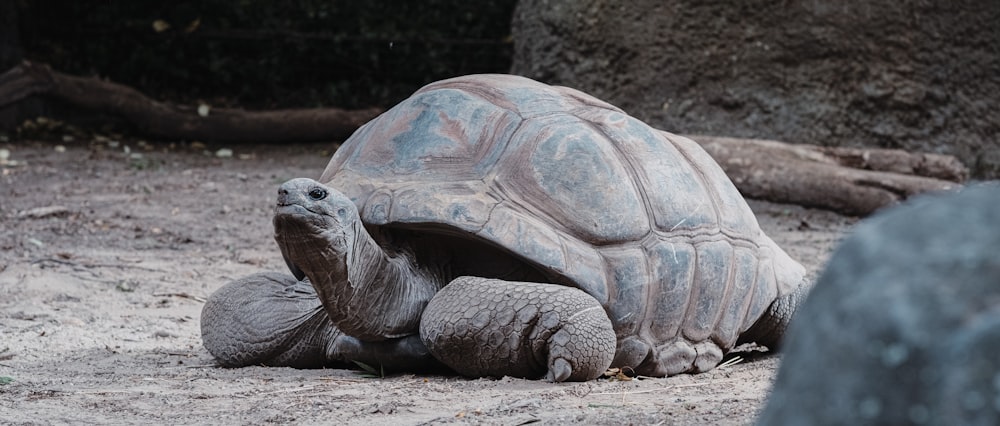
[107, 252]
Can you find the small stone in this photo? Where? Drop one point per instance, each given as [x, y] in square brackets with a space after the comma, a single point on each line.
[43, 212]
[72, 321]
[224, 153]
[164, 334]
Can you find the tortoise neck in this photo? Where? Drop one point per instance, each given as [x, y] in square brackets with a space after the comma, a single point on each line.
[368, 293]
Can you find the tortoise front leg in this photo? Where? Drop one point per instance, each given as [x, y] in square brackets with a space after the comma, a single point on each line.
[488, 327]
[275, 319]
[266, 319]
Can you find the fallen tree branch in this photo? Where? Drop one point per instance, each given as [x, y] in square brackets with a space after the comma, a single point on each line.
[164, 120]
[853, 181]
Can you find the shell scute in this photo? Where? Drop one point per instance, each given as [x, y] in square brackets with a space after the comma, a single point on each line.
[677, 196]
[708, 291]
[567, 172]
[672, 273]
[443, 135]
[523, 234]
[464, 205]
[627, 307]
[734, 310]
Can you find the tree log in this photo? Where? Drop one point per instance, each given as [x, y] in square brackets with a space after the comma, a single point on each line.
[164, 120]
[853, 181]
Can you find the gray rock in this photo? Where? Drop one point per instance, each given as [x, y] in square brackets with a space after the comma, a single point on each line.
[903, 326]
[913, 75]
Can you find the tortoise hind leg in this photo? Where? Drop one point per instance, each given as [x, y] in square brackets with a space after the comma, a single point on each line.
[770, 328]
[677, 356]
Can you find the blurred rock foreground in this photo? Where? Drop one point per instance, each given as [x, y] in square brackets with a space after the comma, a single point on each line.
[920, 76]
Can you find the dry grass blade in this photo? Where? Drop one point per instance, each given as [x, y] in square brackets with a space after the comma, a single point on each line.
[665, 388]
[706, 383]
[730, 362]
[370, 372]
[341, 379]
[91, 265]
[184, 295]
[289, 390]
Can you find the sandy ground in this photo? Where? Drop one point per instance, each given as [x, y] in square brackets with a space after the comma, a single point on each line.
[107, 254]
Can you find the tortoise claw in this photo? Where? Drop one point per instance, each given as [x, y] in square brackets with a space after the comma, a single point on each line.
[559, 370]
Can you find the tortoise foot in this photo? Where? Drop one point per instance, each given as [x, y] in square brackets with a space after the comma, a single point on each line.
[679, 356]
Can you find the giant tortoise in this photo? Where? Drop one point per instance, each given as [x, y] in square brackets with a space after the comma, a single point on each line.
[503, 226]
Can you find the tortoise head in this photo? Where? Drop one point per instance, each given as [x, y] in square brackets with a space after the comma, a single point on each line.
[366, 293]
[312, 221]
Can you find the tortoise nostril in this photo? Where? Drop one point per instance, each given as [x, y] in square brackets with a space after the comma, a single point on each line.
[282, 196]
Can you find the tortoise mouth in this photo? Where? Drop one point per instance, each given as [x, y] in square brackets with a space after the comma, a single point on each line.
[296, 216]
[293, 209]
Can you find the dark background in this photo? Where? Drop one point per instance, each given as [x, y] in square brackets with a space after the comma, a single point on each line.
[919, 76]
[263, 54]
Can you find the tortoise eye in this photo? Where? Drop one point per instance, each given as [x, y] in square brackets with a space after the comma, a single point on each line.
[317, 194]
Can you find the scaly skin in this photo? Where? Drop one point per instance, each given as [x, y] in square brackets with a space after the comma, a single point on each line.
[483, 327]
[274, 319]
[367, 293]
[365, 305]
[267, 318]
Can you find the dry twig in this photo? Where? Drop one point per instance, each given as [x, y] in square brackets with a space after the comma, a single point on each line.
[181, 294]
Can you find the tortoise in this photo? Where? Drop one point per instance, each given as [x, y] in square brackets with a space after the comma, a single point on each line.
[903, 324]
[502, 226]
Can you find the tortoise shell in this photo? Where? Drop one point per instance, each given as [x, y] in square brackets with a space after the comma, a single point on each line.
[644, 221]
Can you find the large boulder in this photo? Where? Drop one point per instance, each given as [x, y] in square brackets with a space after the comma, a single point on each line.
[914, 75]
[903, 325]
